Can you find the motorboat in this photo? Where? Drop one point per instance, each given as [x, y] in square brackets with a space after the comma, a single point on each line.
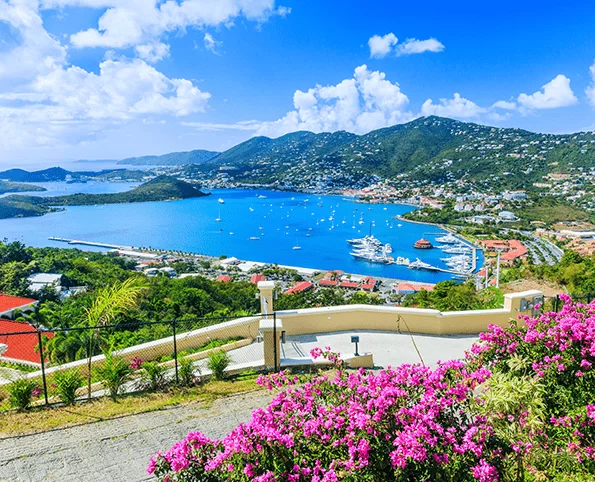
[220, 201]
[448, 239]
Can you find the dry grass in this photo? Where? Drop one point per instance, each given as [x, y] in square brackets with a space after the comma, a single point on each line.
[548, 289]
[43, 419]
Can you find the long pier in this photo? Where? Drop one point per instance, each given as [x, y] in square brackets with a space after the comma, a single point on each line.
[89, 243]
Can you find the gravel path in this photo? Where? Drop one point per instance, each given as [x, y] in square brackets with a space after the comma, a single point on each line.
[117, 450]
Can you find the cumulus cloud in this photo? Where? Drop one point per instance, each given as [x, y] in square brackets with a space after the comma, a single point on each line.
[381, 46]
[554, 94]
[211, 44]
[457, 107]
[414, 46]
[590, 91]
[152, 52]
[46, 101]
[359, 104]
[32, 50]
[505, 105]
[126, 24]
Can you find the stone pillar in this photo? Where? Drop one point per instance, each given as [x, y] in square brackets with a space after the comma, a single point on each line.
[266, 296]
[271, 341]
[522, 303]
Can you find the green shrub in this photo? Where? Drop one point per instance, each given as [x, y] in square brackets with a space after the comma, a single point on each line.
[218, 361]
[113, 374]
[67, 383]
[153, 376]
[187, 372]
[20, 393]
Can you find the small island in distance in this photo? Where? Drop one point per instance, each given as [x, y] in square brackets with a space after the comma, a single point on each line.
[161, 188]
[11, 187]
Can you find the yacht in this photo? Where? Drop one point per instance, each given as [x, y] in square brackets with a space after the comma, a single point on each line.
[460, 249]
[218, 218]
[254, 238]
[419, 264]
[261, 197]
[448, 239]
[402, 261]
[296, 247]
[221, 201]
[388, 248]
[251, 210]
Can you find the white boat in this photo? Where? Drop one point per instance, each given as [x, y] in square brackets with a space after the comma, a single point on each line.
[262, 197]
[388, 248]
[232, 233]
[251, 210]
[254, 238]
[399, 225]
[419, 264]
[448, 239]
[296, 248]
[461, 249]
[402, 261]
[218, 218]
[221, 201]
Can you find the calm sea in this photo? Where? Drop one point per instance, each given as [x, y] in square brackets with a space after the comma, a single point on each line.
[279, 221]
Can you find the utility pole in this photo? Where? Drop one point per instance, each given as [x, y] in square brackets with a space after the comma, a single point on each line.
[498, 270]
[487, 274]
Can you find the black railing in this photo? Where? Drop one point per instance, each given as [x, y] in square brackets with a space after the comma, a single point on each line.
[36, 352]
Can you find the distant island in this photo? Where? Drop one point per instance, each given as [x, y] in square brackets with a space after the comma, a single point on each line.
[162, 188]
[198, 156]
[10, 187]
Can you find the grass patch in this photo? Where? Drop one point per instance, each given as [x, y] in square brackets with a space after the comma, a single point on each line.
[19, 367]
[41, 419]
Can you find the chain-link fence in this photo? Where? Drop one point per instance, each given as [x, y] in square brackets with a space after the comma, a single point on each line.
[556, 303]
[75, 363]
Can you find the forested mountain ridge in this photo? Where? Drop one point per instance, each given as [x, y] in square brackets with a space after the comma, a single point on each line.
[198, 156]
[161, 188]
[428, 148]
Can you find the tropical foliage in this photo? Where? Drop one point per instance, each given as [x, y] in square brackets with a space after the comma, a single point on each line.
[518, 407]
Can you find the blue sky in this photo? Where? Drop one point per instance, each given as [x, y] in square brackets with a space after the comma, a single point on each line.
[101, 79]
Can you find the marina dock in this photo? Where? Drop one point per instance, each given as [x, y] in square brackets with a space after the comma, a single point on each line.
[89, 243]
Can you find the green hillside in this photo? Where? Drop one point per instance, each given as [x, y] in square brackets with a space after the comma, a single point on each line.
[10, 187]
[161, 188]
[198, 156]
[428, 149]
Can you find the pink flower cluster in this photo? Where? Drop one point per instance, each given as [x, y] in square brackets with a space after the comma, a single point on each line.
[413, 422]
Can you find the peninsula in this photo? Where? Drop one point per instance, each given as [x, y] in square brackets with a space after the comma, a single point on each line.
[162, 188]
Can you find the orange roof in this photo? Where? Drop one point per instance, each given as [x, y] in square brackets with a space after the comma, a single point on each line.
[413, 287]
[256, 278]
[298, 288]
[20, 347]
[8, 302]
[327, 282]
[348, 284]
[224, 278]
[330, 274]
[513, 248]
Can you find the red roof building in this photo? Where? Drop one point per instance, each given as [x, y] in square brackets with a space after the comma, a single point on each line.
[20, 347]
[299, 288]
[333, 274]
[369, 284]
[10, 304]
[328, 283]
[256, 278]
[224, 278]
[349, 284]
[409, 288]
[511, 249]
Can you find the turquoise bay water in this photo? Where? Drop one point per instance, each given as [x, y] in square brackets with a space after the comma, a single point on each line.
[280, 221]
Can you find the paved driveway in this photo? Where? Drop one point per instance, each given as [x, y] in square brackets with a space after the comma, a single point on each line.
[117, 450]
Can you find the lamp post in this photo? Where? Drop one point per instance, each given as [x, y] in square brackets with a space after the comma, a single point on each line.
[355, 339]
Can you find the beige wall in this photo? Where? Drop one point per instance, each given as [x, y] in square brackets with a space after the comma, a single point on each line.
[331, 319]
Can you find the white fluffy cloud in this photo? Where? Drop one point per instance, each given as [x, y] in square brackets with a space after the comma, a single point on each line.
[590, 91]
[362, 103]
[381, 46]
[457, 107]
[126, 24]
[46, 101]
[152, 52]
[554, 94]
[32, 50]
[505, 105]
[414, 46]
[211, 44]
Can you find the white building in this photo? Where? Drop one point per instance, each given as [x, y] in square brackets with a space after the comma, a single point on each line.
[39, 281]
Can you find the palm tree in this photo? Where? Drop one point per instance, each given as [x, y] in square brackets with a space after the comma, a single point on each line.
[108, 303]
